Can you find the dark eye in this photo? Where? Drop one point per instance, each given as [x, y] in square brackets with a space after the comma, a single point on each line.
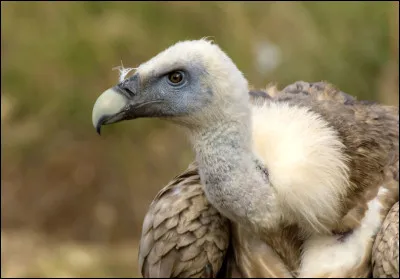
[175, 77]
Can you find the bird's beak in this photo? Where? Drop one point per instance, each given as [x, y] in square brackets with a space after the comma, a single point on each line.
[110, 107]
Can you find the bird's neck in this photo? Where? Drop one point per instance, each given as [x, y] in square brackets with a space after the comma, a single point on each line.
[234, 181]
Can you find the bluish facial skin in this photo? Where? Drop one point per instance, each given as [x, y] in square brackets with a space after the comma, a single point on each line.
[156, 96]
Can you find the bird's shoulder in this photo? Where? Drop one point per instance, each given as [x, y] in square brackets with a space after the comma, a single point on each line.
[320, 91]
[183, 235]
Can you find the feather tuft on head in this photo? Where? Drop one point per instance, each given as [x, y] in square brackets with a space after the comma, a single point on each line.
[123, 72]
[207, 39]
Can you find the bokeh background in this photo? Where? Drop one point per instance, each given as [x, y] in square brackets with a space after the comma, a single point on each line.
[72, 203]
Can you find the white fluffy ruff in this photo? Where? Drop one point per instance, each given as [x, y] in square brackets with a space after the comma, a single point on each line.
[305, 159]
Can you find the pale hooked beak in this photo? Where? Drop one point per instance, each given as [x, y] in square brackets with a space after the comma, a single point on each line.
[110, 107]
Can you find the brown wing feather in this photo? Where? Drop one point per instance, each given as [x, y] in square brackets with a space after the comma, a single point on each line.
[319, 91]
[259, 258]
[316, 90]
[385, 252]
[183, 235]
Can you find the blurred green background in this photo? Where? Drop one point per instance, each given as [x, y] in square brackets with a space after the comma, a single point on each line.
[73, 202]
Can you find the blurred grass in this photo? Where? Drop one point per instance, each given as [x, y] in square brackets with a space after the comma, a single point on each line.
[61, 181]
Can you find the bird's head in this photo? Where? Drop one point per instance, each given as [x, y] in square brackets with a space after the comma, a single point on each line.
[193, 83]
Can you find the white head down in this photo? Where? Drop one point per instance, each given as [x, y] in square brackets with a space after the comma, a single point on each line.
[193, 83]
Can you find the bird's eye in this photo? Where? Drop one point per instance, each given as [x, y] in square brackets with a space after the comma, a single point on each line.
[175, 77]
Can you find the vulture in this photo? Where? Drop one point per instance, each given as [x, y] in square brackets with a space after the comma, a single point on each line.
[296, 183]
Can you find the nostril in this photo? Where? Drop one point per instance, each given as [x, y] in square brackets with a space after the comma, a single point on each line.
[122, 87]
[130, 85]
[129, 91]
